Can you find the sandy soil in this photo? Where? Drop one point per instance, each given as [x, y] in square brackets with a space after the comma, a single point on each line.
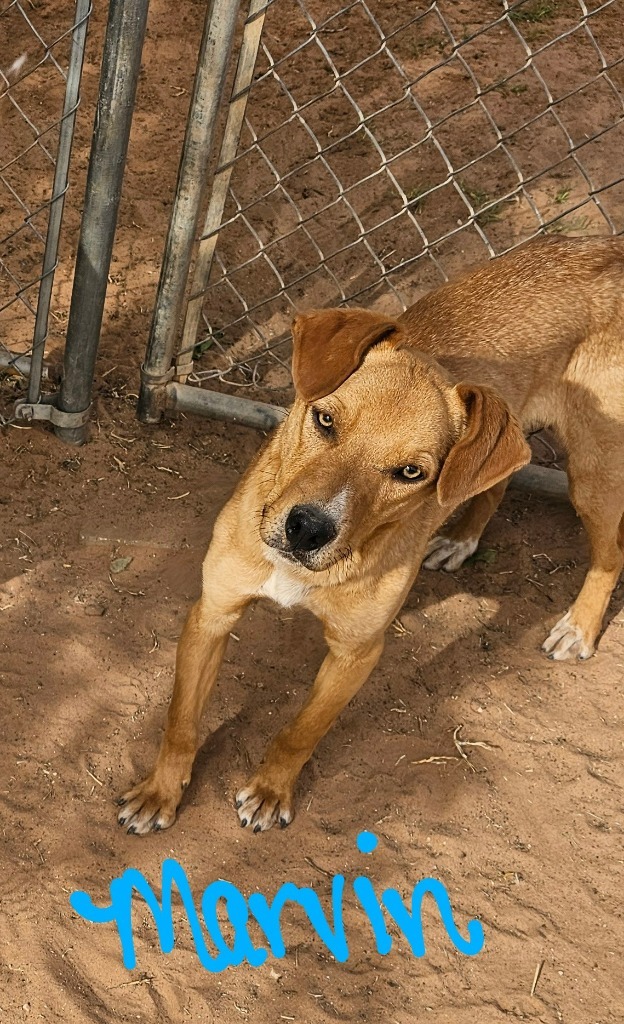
[526, 834]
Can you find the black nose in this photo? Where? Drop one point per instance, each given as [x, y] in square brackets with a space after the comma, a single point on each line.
[308, 528]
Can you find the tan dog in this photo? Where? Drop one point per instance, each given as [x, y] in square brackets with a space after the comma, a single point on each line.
[385, 439]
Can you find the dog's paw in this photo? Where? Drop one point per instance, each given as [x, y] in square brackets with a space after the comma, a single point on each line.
[567, 640]
[149, 807]
[448, 554]
[261, 804]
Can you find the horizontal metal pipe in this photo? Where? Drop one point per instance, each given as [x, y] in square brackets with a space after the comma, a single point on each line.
[20, 364]
[186, 398]
[548, 483]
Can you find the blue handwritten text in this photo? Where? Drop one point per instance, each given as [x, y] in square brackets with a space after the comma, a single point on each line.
[268, 915]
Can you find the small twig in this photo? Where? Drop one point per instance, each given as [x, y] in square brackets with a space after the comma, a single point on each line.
[552, 451]
[400, 629]
[460, 744]
[127, 984]
[24, 534]
[317, 867]
[543, 554]
[132, 593]
[436, 759]
[536, 977]
[471, 743]
[94, 777]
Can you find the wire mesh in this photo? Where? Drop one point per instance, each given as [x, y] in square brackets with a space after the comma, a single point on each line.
[41, 53]
[386, 147]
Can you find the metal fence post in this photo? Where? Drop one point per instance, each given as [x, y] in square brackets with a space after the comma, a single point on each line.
[59, 189]
[212, 68]
[121, 63]
[218, 194]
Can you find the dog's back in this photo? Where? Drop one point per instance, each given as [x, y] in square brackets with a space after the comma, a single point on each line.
[516, 324]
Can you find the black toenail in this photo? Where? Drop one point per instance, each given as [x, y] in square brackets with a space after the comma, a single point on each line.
[239, 803]
[156, 827]
[283, 823]
[132, 830]
[257, 828]
[120, 801]
[122, 821]
[244, 822]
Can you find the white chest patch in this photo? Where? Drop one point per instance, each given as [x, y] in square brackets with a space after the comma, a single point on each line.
[282, 588]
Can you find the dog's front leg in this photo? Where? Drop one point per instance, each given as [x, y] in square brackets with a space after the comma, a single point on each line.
[268, 796]
[152, 805]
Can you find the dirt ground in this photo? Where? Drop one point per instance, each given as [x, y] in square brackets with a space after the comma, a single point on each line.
[526, 833]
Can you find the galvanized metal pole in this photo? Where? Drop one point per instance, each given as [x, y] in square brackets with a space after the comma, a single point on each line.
[210, 77]
[59, 189]
[184, 398]
[547, 483]
[121, 63]
[247, 56]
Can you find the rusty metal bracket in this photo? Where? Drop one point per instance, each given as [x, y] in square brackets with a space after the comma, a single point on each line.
[46, 410]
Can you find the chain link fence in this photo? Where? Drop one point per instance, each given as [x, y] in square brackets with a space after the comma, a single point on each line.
[41, 57]
[373, 149]
[368, 151]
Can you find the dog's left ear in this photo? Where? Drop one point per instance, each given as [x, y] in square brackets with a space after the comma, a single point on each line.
[329, 345]
[491, 448]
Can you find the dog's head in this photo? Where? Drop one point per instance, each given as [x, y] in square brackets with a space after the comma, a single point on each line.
[376, 431]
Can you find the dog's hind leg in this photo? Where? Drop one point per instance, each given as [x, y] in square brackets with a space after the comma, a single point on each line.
[450, 550]
[601, 507]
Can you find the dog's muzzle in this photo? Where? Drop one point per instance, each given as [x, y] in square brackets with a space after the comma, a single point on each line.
[308, 528]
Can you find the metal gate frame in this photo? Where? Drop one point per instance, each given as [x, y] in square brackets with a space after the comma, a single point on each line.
[159, 391]
[68, 409]
[179, 301]
[32, 366]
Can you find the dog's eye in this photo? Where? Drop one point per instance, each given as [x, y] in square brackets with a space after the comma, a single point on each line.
[410, 472]
[324, 420]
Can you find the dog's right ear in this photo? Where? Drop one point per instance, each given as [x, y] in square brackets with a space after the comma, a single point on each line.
[491, 448]
[329, 345]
